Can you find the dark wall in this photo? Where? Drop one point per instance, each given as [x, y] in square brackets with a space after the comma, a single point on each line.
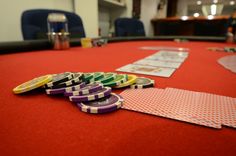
[172, 8]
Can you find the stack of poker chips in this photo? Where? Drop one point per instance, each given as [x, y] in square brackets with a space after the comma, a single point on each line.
[96, 42]
[99, 42]
[92, 92]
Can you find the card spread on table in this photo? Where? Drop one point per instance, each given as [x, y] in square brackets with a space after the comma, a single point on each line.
[147, 70]
[168, 48]
[172, 56]
[147, 62]
[162, 63]
[194, 107]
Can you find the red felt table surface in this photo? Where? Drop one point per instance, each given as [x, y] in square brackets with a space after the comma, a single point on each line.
[37, 124]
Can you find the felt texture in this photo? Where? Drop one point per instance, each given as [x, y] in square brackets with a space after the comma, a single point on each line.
[38, 124]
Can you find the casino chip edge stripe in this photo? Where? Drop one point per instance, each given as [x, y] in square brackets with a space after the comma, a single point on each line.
[85, 90]
[24, 87]
[93, 96]
[120, 78]
[66, 76]
[151, 83]
[64, 89]
[102, 109]
[131, 80]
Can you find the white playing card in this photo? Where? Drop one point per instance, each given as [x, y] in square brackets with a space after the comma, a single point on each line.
[164, 48]
[172, 56]
[147, 70]
[159, 63]
[228, 62]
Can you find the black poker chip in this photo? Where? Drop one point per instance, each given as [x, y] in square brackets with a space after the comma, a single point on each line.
[59, 78]
[77, 78]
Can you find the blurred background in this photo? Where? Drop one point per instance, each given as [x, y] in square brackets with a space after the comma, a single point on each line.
[159, 17]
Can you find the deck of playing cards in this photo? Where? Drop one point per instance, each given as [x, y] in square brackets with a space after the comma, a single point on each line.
[194, 107]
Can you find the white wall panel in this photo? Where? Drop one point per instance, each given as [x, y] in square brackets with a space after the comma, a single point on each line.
[11, 10]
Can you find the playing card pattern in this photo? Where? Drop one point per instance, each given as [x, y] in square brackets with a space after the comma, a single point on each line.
[194, 107]
[227, 107]
[229, 62]
[186, 103]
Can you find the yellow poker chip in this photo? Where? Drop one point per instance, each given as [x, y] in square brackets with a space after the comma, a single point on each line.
[131, 80]
[32, 84]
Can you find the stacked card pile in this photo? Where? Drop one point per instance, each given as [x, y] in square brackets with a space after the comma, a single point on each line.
[162, 63]
[194, 107]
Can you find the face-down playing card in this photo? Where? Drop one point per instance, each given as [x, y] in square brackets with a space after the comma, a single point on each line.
[155, 101]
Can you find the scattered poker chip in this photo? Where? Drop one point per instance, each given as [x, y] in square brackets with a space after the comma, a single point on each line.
[215, 49]
[225, 49]
[88, 89]
[59, 78]
[142, 82]
[180, 40]
[131, 80]
[65, 89]
[108, 77]
[99, 42]
[120, 78]
[230, 49]
[93, 96]
[103, 105]
[33, 84]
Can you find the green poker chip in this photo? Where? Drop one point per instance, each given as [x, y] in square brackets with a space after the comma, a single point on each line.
[87, 77]
[108, 77]
[97, 76]
[120, 78]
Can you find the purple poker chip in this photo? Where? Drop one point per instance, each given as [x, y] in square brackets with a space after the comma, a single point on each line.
[65, 89]
[88, 89]
[103, 105]
[93, 96]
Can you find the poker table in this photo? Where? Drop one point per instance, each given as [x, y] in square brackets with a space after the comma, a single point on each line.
[38, 124]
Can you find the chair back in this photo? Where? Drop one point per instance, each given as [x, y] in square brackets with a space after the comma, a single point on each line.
[129, 27]
[34, 23]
